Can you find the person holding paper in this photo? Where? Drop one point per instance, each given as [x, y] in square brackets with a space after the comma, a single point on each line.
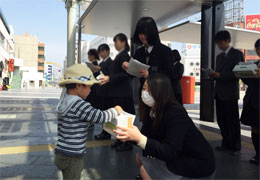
[94, 58]
[120, 89]
[171, 147]
[102, 91]
[227, 93]
[153, 52]
[251, 107]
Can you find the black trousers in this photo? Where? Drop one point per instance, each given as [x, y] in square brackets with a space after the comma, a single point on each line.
[229, 124]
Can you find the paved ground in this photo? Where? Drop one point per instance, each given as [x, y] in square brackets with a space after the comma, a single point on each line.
[28, 130]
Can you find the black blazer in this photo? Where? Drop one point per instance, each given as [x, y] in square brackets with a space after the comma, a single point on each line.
[252, 93]
[178, 70]
[160, 61]
[180, 144]
[105, 68]
[120, 81]
[227, 86]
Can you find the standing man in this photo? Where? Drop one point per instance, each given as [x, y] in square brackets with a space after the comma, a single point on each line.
[102, 91]
[227, 93]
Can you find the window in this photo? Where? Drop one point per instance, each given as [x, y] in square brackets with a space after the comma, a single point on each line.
[40, 48]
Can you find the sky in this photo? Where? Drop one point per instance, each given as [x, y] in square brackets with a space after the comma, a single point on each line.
[48, 20]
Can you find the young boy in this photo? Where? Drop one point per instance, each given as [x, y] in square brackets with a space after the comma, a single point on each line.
[74, 117]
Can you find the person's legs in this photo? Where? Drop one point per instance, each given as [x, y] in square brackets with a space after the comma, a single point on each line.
[75, 168]
[255, 139]
[144, 174]
[71, 167]
[220, 111]
[232, 117]
[138, 161]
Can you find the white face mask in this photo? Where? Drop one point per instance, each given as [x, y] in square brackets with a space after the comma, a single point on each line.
[147, 98]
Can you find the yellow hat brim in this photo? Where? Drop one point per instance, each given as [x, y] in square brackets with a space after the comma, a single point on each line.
[75, 81]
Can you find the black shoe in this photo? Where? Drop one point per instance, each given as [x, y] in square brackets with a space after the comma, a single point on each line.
[221, 148]
[255, 160]
[116, 144]
[124, 147]
[103, 136]
[235, 152]
[138, 176]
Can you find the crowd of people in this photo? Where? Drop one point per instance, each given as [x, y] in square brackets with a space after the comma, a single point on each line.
[170, 145]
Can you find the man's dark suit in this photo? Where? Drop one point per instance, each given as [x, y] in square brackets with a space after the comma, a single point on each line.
[227, 95]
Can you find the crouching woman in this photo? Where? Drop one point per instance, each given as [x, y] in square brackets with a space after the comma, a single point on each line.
[171, 147]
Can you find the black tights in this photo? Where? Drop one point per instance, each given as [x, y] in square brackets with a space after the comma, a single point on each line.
[255, 139]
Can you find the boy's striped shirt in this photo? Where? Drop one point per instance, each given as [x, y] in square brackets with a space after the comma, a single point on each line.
[72, 126]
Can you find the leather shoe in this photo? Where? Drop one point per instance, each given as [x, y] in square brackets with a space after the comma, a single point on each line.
[103, 136]
[138, 176]
[221, 148]
[116, 144]
[124, 147]
[255, 160]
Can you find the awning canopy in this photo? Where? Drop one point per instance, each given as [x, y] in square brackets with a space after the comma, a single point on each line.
[109, 17]
[189, 32]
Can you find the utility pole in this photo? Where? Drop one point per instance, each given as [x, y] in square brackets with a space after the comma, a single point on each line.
[71, 31]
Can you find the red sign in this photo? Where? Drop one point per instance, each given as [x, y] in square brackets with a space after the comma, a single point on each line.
[11, 65]
[253, 22]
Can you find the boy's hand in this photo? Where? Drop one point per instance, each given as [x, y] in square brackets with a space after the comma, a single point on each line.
[119, 109]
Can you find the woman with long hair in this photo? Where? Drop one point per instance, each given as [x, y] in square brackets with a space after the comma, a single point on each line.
[171, 147]
[120, 89]
[152, 52]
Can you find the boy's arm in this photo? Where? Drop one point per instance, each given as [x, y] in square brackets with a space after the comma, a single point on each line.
[84, 111]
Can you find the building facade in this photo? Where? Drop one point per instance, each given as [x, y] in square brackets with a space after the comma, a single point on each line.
[6, 51]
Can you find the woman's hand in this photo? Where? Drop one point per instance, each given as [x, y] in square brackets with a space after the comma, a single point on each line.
[125, 65]
[104, 80]
[144, 73]
[128, 134]
[119, 109]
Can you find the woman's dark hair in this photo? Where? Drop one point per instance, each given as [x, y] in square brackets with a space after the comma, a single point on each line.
[103, 47]
[257, 44]
[222, 36]
[123, 38]
[147, 26]
[93, 52]
[176, 55]
[160, 88]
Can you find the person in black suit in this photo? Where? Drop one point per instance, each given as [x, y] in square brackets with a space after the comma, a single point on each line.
[251, 106]
[93, 57]
[227, 93]
[171, 147]
[152, 52]
[102, 91]
[120, 89]
[178, 72]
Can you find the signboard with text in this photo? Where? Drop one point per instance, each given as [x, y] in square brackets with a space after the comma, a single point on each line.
[252, 22]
